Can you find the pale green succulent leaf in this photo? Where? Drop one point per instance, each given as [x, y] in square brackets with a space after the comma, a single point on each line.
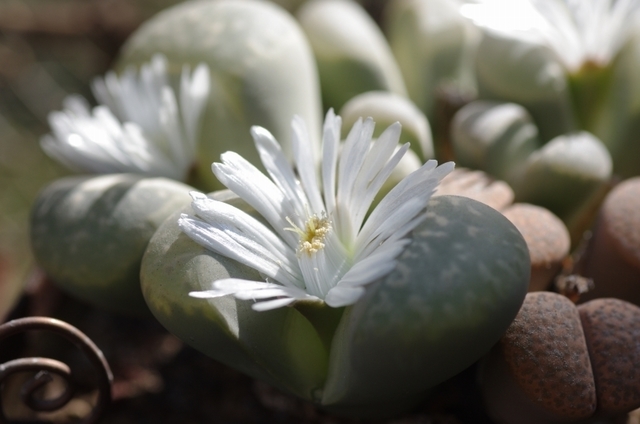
[494, 137]
[433, 45]
[352, 54]
[618, 123]
[513, 70]
[565, 174]
[386, 108]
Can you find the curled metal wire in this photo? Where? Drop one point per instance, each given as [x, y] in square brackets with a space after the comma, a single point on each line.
[45, 367]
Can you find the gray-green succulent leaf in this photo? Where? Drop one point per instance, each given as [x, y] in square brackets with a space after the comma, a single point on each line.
[495, 137]
[89, 234]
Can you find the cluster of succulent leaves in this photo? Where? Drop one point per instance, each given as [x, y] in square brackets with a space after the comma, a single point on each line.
[458, 284]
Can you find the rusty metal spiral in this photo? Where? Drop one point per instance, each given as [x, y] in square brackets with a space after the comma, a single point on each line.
[45, 367]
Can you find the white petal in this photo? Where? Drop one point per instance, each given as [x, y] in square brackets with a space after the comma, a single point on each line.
[305, 164]
[343, 296]
[238, 247]
[272, 304]
[225, 216]
[248, 290]
[369, 191]
[245, 180]
[278, 167]
[351, 159]
[208, 294]
[417, 187]
[194, 93]
[376, 265]
[233, 285]
[330, 147]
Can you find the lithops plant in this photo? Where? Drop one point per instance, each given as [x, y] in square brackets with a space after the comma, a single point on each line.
[613, 256]
[570, 64]
[558, 363]
[361, 326]
[569, 175]
[262, 71]
[89, 234]
[352, 54]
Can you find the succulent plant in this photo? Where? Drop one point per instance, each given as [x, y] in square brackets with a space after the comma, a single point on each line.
[558, 363]
[568, 175]
[428, 292]
[89, 234]
[422, 329]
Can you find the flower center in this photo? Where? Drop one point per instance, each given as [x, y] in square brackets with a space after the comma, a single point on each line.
[313, 234]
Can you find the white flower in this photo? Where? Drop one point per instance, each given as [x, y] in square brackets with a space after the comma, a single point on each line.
[577, 31]
[140, 127]
[319, 246]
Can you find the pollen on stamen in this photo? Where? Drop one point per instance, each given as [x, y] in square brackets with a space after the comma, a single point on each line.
[312, 236]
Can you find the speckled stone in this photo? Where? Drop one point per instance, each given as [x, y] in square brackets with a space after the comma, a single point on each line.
[613, 257]
[546, 353]
[612, 331]
[547, 238]
[476, 185]
[621, 215]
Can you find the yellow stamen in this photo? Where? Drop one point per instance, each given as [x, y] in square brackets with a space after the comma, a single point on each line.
[312, 236]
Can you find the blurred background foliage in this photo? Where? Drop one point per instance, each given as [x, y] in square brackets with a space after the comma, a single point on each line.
[48, 49]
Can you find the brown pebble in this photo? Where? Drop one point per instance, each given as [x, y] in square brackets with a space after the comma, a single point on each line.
[547, 239]
[621, 215]
[612, 331]
[613, 257]
[546, 353]
[476, 185]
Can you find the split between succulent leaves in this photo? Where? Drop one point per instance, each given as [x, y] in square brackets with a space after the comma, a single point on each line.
[559, 363]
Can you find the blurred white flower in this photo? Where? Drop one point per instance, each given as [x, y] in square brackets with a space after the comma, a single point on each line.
[140, 126]
[577, 31]
[318, 246]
